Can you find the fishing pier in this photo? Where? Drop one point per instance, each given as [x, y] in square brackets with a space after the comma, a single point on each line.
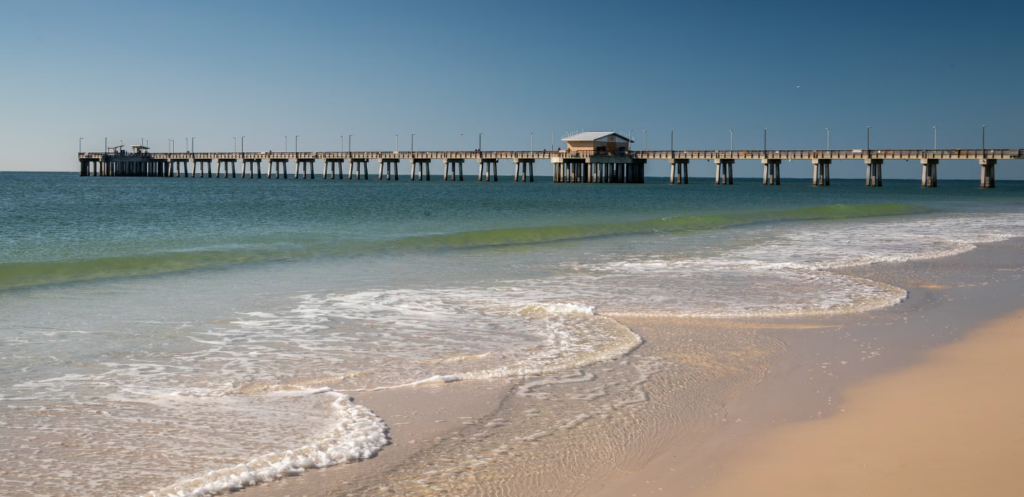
[589, 158]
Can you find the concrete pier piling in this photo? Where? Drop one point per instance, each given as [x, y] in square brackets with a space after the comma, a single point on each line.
[988, 173]
[929, 173]
[723, 171]
[772, 174]
[873, 172]
[522, 166]
[820, 172]
[680, 171]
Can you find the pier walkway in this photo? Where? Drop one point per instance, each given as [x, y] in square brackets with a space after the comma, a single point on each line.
[568, 166]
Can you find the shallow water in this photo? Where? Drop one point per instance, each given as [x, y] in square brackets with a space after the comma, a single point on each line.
[159, 329]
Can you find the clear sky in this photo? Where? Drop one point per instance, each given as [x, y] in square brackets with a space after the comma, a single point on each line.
[217, 70]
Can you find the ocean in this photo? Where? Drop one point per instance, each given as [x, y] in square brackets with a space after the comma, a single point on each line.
[186, 336]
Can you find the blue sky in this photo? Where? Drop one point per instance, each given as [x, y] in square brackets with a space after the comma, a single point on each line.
[217, 70]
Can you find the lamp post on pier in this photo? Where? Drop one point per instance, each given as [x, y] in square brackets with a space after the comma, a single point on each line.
[828, 138]
[480, 143]
[193, 144]
[412, 143]
[235, 145]
[350, 144]
[645, 139]
[243, 150]
[935, 139]
[296, 152]
[869, 142]
[730, 139]
[462, 143]
[396, 144]
[531, 142]
[672, 142]
[80, 145]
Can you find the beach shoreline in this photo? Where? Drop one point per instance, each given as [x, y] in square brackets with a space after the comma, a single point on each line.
[777, 433]
[787, 371]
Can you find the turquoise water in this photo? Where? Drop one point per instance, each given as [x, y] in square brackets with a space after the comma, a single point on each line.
[221, 307]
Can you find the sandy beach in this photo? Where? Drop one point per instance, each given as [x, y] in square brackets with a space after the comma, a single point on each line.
[950, 425]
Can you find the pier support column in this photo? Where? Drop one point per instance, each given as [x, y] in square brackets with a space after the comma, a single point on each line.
[522, 166]
[488, 169]
[988, 173]
[641, 170]
[873, 172]
[772, 172]
[929, 173]
[723, 171]
[819, 171]
[680, 171]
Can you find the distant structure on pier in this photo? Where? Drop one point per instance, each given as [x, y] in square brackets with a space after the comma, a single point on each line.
[597, 141]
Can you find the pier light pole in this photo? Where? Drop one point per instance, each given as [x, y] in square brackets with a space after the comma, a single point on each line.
[462, 143]
[350, 144]
[235, 144]
[730, 140]
[645, 139]
[342, 143]
[243, 147]
[412, 143]
[672, 142]
[193, 144]
[172, 146]
[552, 141]
[104, 145]
[869, 142]
[935, 142]
[480, 143]
[828, 138]
[982, 139]
[396, 144]
[286, 144]
[296, 149]
[531, 142]
[766, 141]
[80, 145]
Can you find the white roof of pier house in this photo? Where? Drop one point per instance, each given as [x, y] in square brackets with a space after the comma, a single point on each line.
[597, 141]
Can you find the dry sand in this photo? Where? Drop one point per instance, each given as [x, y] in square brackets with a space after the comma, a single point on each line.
[950, 425]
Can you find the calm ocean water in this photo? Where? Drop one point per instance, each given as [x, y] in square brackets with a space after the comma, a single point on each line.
[175, 335]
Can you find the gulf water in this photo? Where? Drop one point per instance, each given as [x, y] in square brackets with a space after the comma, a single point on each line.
[155, 330]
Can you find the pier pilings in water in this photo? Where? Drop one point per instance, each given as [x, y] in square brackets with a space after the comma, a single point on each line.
[820, 172]
[521, 170]
[679, 173]
[723, 171]
[451, 164]
[772, 175]
[988, 173]
[874, 172]
[488, 169]
[929, 173]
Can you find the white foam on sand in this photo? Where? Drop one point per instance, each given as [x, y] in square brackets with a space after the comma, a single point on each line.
[357, 434]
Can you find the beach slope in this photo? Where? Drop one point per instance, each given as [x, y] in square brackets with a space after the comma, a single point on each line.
[950, 425]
